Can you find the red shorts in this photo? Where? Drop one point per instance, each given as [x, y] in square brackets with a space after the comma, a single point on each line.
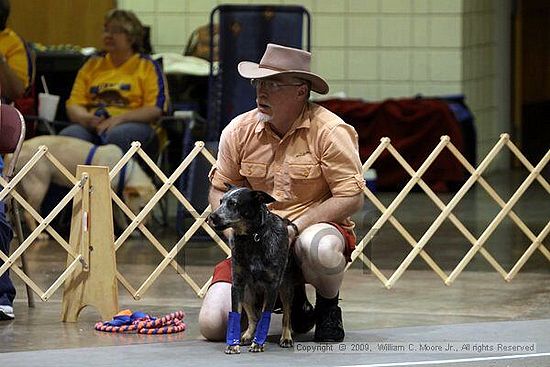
[222, 270]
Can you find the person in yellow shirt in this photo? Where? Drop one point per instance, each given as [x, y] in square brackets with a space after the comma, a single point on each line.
[15, 62]
[120, 92]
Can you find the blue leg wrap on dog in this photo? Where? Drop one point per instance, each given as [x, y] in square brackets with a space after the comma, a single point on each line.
[262, 328]
[233, 336]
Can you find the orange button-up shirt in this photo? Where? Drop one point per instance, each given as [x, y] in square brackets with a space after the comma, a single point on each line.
[318, 158]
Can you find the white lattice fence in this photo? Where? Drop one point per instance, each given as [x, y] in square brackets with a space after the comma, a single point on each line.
[387, 215]
[169, 257]
[77, 259]
[446, 211]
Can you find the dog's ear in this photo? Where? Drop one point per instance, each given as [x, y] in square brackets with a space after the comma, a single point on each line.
[262, 197]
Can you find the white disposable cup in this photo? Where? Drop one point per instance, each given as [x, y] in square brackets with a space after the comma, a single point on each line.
[47, 105]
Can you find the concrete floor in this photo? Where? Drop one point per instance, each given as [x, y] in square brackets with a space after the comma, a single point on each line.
[478, 307]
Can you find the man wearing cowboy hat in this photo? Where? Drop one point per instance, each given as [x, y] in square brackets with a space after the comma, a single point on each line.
[307, 158]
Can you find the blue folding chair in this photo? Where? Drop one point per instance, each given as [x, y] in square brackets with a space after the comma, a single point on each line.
[242, 33]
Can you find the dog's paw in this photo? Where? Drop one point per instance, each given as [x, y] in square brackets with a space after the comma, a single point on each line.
[256, 348]
[286, 343]
[246, 340]
[233, 349]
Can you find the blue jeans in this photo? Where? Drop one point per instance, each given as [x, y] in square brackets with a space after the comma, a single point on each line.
[7, 290]
[122, 135]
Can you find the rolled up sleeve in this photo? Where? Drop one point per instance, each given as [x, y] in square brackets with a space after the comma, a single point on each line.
[226, 169]
[341, 164]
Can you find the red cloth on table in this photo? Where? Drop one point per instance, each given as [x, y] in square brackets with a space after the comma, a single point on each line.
[414, 127]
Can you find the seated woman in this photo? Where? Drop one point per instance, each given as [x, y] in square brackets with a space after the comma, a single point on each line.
[120, 92]
[15, 61]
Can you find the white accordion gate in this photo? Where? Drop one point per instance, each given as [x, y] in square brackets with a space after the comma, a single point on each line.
[78, 253]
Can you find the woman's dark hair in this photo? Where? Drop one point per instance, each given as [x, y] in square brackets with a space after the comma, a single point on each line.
[4, 13]
[131, 24]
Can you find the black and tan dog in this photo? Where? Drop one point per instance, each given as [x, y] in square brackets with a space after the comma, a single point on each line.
[262, 268]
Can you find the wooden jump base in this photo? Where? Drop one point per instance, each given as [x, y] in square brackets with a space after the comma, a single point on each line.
[85, 280]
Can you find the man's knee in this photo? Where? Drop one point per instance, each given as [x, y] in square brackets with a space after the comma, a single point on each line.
[211, 325]
[214, 310]
[321, 247]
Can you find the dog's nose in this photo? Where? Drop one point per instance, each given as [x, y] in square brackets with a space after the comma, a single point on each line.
[211, 220]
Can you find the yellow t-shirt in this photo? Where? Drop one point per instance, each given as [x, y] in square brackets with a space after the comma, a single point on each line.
[17, 55]
[137, 83]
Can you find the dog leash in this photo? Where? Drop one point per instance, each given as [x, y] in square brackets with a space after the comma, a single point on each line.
[138, 322]
[121, 175]
[91, 154]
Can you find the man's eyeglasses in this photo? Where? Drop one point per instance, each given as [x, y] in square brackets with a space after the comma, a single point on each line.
[271, 85]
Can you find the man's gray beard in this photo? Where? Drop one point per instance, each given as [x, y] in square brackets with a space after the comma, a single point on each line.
[263, 117]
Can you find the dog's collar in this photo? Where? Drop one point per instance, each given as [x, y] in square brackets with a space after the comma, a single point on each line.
[256, 236]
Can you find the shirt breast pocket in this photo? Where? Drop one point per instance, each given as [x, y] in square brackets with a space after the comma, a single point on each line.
[255, 174]
[304, 174]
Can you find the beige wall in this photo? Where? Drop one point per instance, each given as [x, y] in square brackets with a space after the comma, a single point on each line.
[377, 49]
[51, 22]
[481, 69]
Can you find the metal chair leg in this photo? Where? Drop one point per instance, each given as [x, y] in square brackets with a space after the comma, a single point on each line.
[162, 162]
[19, 234]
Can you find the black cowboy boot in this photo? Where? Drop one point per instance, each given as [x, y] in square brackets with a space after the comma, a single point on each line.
[302, 316]
[328, 320]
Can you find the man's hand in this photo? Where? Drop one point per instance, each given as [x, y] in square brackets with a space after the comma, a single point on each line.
[292, 233]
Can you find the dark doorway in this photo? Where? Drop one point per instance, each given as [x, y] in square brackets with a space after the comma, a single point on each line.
[531, 92]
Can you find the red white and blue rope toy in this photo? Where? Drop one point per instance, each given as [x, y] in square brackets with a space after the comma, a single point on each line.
[138, 322]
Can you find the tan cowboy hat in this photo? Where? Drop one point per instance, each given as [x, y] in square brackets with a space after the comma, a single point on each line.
[279, 59]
